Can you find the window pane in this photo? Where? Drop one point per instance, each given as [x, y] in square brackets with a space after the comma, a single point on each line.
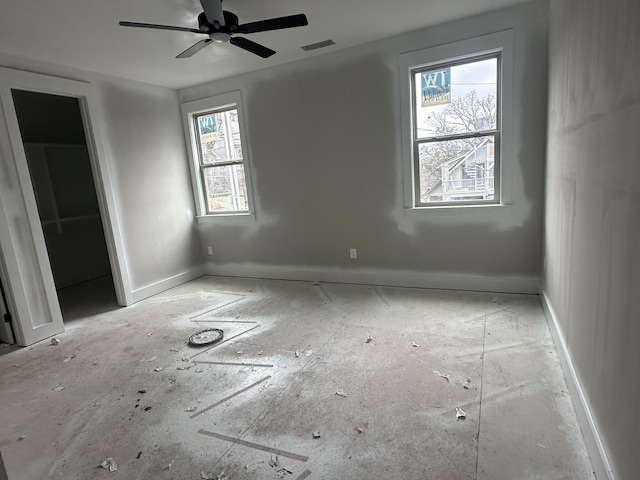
[456, 99]
[225, 189]
[219, 136]
[456, 170]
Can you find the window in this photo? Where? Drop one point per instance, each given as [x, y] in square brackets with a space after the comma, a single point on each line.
[453, 122]
[218, 156]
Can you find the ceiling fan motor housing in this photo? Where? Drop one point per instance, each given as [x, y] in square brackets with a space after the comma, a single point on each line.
[230, 26]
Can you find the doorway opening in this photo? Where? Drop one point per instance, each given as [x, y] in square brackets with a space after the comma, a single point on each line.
[52, 131]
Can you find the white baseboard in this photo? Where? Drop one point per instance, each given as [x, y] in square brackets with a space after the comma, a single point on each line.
[392, 278]
[159, 287]
[594, 442]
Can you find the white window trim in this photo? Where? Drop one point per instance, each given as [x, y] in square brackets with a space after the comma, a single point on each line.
[189, 110]
[470, 48]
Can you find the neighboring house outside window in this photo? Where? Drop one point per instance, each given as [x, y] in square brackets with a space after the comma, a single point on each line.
[218, 155]
[467, 177]
[454, 108]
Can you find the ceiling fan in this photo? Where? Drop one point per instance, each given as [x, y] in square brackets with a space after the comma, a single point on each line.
[219, 25]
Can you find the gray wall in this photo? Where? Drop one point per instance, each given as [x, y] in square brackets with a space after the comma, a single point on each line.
[324, 136]
[592, 239]
[144, 136]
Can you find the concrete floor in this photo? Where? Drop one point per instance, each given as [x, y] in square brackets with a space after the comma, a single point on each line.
[397, 420]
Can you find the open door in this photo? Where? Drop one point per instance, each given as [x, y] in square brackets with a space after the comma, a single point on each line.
[30, 282]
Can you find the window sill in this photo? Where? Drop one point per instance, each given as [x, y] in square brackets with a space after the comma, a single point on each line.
[458, 211]
[225, 217]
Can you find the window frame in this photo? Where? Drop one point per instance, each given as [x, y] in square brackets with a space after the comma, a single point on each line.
[499, 44]
[190, 112]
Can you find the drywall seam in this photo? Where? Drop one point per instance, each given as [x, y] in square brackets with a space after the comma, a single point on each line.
[393, 278]
[170, 282]
[594, 442]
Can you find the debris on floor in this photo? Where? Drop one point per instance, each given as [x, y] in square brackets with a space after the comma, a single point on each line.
[252, 468]
[173, 349]
[283, 472]
[158, 369]
[442, 375]
[199, 370]
[206, 476]
[21, 437]
[110, 465]
[58, 388]
[415, 344]
[369, 339]
[316, 434]
[460, 414]
[142, 391]
[192, 409]
[55, 341]
[359, 429]
[172, 379]
[149, 360]
[208, 336]
[467, 384]
[275, 461]
[316, 283]
[340, 393]
[69, 358]
[185, 359]
[297, 354]
[170, 466]
[265, 386]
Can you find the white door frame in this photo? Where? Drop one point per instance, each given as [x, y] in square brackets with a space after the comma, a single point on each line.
[28, 269]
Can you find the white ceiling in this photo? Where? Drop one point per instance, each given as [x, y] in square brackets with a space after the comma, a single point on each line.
[85, 33]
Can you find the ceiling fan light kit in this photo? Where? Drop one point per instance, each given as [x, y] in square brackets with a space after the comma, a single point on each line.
[219, 25]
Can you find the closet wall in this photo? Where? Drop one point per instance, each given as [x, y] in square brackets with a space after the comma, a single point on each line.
[53, 135]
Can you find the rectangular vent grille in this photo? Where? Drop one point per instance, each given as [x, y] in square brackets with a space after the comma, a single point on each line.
[315, 46]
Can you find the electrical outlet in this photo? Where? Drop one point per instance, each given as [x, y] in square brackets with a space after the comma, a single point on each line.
[353, 253]
[210, 250]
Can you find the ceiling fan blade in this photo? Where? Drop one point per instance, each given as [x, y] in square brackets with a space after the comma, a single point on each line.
[159, 27]
[252, 47]
[213, 11]
[195, 48]
[299, 20]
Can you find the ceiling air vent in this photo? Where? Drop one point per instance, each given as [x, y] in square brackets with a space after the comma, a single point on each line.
[315, 46]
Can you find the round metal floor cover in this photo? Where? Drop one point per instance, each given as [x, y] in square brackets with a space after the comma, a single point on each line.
[206, 337]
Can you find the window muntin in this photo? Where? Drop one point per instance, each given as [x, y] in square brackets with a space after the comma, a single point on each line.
[220, 159]
[456, 131]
